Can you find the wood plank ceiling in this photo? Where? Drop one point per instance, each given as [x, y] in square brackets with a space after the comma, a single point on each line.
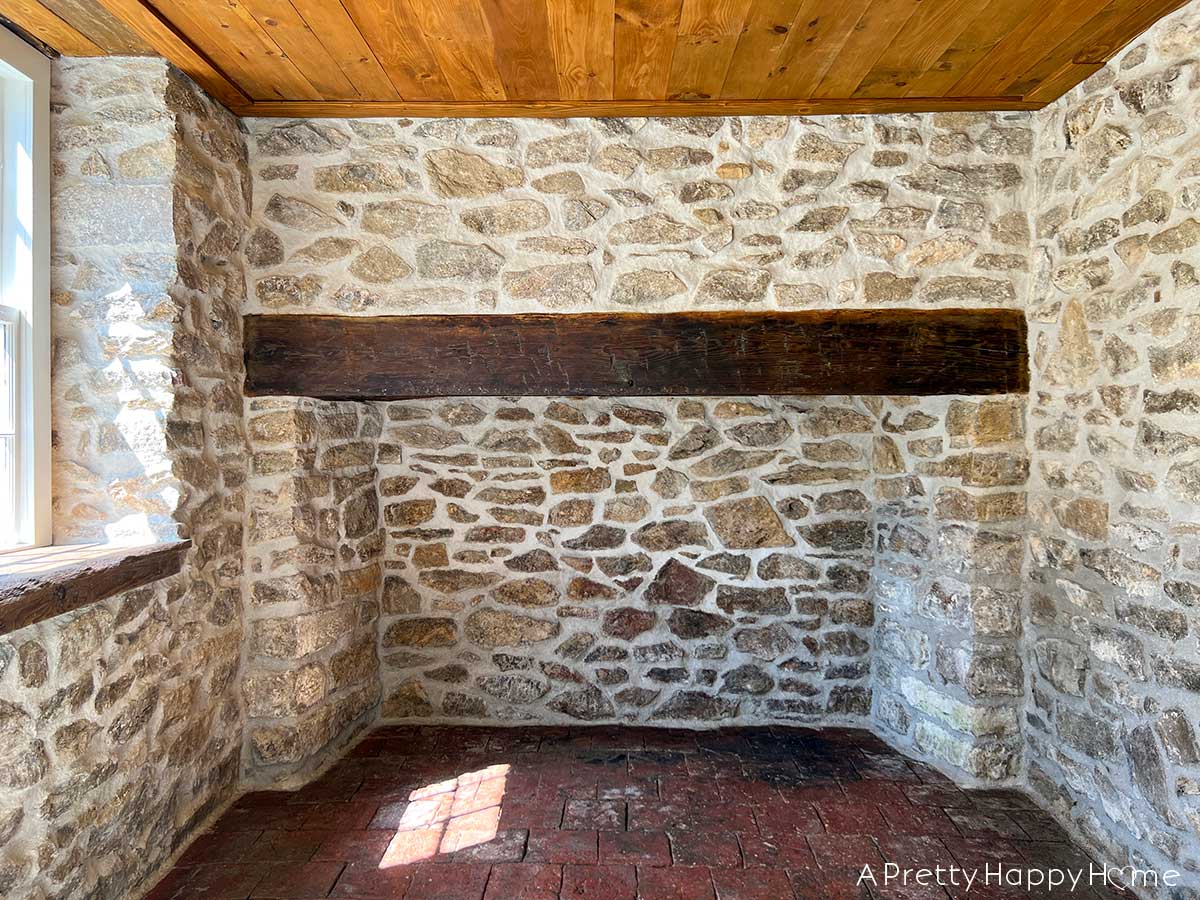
[606, 57]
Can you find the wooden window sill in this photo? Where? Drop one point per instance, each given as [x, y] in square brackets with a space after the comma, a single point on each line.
[45, 582]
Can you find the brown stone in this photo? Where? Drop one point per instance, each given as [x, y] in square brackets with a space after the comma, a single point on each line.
[493, 628]
[671, 535]
[529, 592]
[580, 481]
[598, 537]
[692, 624]
[421, 633]
[757, 601]
[627, 622]
[747, 524]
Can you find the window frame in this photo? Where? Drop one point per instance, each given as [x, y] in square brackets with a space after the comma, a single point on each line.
[25, 275]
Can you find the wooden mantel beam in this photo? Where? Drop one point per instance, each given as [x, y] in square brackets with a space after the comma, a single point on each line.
[892, 351]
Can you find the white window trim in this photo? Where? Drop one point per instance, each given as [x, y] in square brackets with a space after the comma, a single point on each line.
[25, 268]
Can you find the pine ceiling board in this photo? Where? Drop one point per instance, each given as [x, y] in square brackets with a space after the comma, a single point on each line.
[708, 34]
[915, 47]
[101, 27]
[643, 44]
[582, 39]
[153, 28]
[391, 30]
[991, 22]
[32, 17]
[460, 38]
[814, 42]
[879, 23]
[341, 38]
[288, 30]
[760, 46]
[1063, 80]
[226, 32]
[1025, 45]
[521, 36]
[608, 57]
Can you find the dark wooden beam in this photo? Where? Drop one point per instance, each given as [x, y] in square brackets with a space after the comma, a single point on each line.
[40, 584]
[892, 351]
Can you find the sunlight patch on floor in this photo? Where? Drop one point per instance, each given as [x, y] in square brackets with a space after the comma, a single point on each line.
[447, 816]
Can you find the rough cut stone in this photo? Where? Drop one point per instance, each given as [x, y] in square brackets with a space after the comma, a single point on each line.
[757, 601]
[493, 628]
[671, 535]
[644, 287]
[697, 706]
[511, 217]
[468, 262]
[747, 524]
[453, 173]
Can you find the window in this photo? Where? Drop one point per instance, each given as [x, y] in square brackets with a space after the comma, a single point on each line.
[24, 295]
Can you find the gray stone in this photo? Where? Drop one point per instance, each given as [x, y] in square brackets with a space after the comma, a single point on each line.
[556, 286]
[769, 642]
[747, 679]
[587, 704]
[733, 287]
[1148, 771]
[643, 287]
[513, 688]
[697, 706]
[453, 173]
[467, 262]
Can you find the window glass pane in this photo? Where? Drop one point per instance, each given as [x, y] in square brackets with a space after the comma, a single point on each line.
[9, 497]
[8, 380]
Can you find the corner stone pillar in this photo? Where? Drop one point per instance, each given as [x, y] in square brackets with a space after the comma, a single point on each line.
[950, 480]
[313, 580]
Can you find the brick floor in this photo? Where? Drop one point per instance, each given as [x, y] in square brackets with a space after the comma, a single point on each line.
[441, 813]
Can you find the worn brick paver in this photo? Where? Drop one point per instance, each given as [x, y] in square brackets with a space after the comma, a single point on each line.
[444, 813]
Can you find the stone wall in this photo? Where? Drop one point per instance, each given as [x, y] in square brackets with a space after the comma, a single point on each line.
[1115, 423]
[676, 562]
[452, 215]
[665, 560]
[120, 724]
[313, 571]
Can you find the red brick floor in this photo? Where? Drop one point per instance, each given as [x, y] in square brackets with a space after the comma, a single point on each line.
[433, 813]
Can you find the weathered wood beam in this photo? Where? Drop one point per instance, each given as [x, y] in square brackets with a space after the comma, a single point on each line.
[40, 584]
[893, 351]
